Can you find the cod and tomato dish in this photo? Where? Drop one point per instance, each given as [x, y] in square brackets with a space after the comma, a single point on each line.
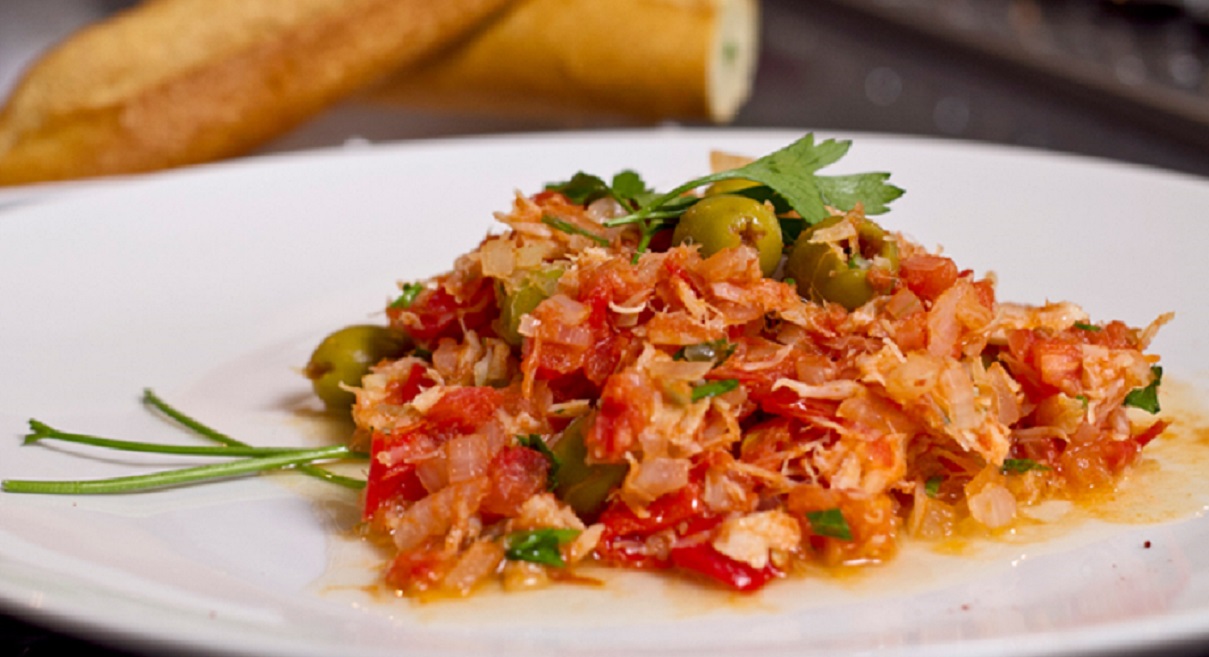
[732, 381]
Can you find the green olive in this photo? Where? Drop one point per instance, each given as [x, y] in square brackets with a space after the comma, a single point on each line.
[727, 221]
[582, 485]
[345, 356]
[534, 288]
[821, 274]
[729, 186]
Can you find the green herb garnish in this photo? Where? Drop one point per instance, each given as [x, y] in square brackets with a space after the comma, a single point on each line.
[154, 402]
[249, 459]
[408, 295]
[932, 486]
[830, 523]
[787, 177]
[627, 188]
[538, 545]
[630, 189]
[1147, 398]
[535, 443]
[714, 388]
[176, 477]
[40, 431]
[1084, 326]
[572, 229]
[1020, 466]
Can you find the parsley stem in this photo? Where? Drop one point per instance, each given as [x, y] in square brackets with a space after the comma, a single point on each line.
[670, 209]
[572, 229]
[644, 242]
[154, 400]
[43, 431]
[174, 477]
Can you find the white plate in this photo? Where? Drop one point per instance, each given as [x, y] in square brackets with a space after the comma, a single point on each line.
[212, 285]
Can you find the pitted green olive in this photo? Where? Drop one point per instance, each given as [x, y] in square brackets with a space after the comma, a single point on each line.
[823, 274]
[346, 355]
[727, 221]
[582, 485]
[534, 288]
[729, 186]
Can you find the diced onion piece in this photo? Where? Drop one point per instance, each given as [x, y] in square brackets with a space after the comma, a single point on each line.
[584, 544]
[603, 209]
[498, 258]
[915, 377]
[436, 514]
[992, 505]
[467, 457]
[750, 538]
[476, 564]
[679, 370]
[839, 389]
[957, 396]
[524, 576]
[654, 477]
[903, 303]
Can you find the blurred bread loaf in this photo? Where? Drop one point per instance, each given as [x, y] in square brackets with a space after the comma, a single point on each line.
[658, 59]
[174, 82]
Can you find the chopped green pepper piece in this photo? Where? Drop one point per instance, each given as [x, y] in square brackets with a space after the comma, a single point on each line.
[582, 485]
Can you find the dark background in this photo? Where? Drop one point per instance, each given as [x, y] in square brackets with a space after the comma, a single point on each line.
[1124, 80]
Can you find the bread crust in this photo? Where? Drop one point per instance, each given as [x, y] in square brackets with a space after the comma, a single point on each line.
[656, 59]
[118, 97]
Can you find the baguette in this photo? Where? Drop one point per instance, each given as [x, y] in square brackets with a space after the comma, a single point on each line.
[175, 82]
[656, 59]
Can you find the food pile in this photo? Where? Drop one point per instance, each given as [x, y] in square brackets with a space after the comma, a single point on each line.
[730, 381]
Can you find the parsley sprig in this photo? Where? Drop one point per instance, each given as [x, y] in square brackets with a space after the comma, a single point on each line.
[1147, 398]
[246, 459]
[787, 177]
[713, 388]
[1021, 466]
[627, 188]
[830, 523]
[407, 295]
[539, 545]
[571, 229]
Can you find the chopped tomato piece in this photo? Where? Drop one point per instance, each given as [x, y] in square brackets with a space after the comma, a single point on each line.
[401, 391]
[787, 403]
[1045, 365]
[392, 472]
[1151, 432]
[625, 408]
[390, 476]
[928, 275]
[418, 571]
[549, 196]
[704, 559]
[516, 474]
[625, 533]
[436, 313]
[463, 410]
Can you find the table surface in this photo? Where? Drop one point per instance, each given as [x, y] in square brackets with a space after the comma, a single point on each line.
[911, 67]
